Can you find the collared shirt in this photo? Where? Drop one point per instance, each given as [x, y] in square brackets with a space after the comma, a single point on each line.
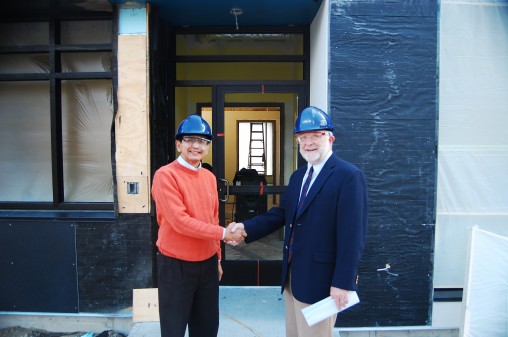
[317, 168]
[187, 165]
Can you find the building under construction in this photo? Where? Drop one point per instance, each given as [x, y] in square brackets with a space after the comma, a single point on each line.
[91, 93]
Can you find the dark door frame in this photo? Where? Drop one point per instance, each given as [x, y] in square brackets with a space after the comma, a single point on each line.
[251, 272]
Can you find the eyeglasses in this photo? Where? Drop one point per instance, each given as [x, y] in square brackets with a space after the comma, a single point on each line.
[310, 137]
[193, 140]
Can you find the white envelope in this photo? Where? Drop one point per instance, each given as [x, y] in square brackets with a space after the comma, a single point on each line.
[325, 308]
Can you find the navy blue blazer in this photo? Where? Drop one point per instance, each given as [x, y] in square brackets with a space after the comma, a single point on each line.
[329, 233]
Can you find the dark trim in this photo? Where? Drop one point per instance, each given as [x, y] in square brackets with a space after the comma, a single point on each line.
[245, 30]
[25, 77]
[205, 83]
[251, 272]
[42, 14]
[57, 76]
[241, 58]
[61, 48]
[57, 215]
[448, 294]
[44, 206]
[250, 189]
[56, 114]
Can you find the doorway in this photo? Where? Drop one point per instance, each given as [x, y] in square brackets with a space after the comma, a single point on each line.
[253, 154]
[255, 79]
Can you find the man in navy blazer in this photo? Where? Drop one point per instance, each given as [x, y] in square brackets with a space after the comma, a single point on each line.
[325, 235]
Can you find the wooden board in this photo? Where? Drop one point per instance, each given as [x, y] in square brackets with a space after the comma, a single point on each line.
[132, 133]
[145, 305]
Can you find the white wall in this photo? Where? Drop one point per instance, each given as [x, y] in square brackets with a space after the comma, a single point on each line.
[473, 131]
[319, 57]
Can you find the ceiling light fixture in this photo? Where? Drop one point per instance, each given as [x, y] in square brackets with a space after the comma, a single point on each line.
[236, 12]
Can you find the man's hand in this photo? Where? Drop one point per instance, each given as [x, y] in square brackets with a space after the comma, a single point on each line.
[235, 234]
[341, 297]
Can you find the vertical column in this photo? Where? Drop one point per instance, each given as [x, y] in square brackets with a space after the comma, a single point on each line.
[132, 118]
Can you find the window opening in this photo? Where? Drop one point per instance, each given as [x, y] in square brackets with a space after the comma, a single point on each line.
[56, 99]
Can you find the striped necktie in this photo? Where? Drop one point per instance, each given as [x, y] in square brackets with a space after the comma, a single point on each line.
[305, 189]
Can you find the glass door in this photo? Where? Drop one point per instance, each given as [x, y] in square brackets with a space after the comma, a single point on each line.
[254, 154]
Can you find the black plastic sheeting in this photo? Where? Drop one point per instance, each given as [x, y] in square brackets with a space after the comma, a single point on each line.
[73, 266]
[383, 98]
[113, 258]
[46, 257]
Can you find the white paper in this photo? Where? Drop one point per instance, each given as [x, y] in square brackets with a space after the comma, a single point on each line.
[325, 308]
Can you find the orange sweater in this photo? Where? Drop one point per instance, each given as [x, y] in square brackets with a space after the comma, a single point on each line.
[187, 212]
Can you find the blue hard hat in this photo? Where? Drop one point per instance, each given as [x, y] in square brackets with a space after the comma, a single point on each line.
[313, 119]
[194, 125]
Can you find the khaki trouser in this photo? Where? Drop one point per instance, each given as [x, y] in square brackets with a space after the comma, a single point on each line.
[296, 325]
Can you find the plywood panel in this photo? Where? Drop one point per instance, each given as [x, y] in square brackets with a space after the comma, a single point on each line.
[130, 201]
[132, 121]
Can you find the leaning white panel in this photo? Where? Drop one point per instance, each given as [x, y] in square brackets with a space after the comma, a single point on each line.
[485, 304]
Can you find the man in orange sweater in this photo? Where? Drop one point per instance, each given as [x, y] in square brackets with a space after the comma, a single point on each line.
[188, 261]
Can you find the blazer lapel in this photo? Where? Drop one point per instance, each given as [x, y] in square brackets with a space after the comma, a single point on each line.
[321, 179]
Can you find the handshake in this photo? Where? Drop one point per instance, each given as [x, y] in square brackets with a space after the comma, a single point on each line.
[235, 233]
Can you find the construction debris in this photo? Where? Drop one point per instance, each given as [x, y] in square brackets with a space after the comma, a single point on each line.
[28, 332]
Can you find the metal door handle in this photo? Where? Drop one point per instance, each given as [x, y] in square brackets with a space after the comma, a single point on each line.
[226, 183]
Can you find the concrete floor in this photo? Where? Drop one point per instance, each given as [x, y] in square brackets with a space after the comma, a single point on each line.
[259, 312]
[244, 312]
[152, 330]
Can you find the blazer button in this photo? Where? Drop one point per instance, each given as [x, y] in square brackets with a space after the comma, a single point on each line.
[286, 247]
[290, 225]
